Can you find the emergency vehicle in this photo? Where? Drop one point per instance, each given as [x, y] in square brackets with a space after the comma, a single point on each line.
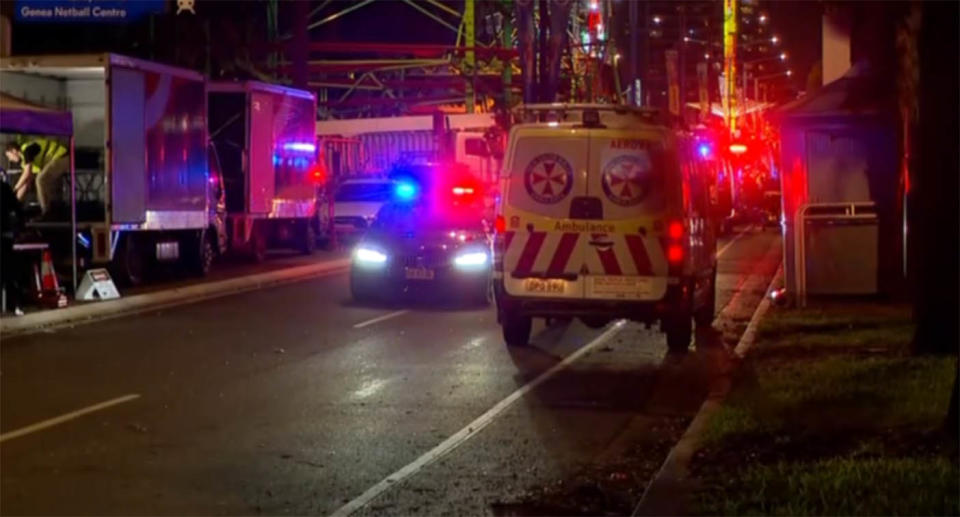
[604, 215]
[430, 239]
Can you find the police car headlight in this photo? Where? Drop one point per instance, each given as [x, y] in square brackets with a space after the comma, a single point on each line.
[369, 256]
[471, 259]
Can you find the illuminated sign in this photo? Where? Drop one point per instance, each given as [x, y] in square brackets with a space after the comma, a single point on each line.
[86, 11]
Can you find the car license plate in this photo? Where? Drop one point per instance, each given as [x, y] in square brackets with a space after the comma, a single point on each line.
[541, 285]
[419, 273]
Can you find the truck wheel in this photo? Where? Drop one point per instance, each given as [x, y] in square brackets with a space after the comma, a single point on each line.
[202, 253]
[308, 242]
[128, 262]
[705, 314]
[679, 330]
[516, 330]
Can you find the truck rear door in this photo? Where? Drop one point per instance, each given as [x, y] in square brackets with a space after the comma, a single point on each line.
[545, 182]
[261, 142]
[629, 178]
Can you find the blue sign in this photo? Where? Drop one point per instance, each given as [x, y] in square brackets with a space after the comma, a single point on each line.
[86, 11]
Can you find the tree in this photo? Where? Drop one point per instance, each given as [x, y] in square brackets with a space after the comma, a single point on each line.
[935, 183]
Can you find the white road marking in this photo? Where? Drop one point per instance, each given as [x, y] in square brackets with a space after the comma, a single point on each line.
[461, 436]
[733, 240]
[39, 426]
[380, 318]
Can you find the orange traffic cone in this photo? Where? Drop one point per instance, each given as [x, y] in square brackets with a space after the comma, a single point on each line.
[48, 277]
[50, 294]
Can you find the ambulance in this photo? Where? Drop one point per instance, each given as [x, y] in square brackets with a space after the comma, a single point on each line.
[604, 214]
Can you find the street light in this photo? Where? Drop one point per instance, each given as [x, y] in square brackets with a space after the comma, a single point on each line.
[783, 56]
[657, 20]
[763, 18]
[775, 40]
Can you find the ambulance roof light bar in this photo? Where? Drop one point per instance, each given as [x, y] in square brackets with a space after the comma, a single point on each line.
[579, 112]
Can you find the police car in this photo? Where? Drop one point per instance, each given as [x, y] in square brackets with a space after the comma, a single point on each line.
[604, 215]
[430, 239]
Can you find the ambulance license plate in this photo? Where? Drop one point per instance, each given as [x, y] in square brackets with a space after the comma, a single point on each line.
[418, 273]
[541, 285]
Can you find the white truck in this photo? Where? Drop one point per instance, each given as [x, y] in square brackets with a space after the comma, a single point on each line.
[384, 141]
[142, 189]
[265, 166]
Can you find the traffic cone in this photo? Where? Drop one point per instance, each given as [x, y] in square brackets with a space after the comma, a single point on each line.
[50, 294]
[48, 277]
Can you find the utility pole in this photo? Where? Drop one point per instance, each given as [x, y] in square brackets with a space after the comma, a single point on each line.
[632, 66]
[470, 57]
[542, 76]
[506, 43]
[298, 51]
[730, 62]
[682, 62]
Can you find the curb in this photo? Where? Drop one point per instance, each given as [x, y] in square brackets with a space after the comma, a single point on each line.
[86, 313]
[667, 493]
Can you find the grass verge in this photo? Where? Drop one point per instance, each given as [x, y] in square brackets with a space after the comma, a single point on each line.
[830, 415]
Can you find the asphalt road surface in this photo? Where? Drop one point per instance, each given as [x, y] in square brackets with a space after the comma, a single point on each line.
[294, 400]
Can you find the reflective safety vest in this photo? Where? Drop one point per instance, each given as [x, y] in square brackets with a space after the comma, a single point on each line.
[50, 150]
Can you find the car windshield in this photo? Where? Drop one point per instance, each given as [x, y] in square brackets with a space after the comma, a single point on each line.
[426, 216]
[375, 192]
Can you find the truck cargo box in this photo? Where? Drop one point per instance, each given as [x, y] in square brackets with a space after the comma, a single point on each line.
[140, 130]
[265, 137]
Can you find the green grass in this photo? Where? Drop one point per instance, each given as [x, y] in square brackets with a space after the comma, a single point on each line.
[831, 415]
[837, 393]
[844, 486]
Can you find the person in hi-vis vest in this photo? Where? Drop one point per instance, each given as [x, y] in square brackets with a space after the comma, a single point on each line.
[43, 162]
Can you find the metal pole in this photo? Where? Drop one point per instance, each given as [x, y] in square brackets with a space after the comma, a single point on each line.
[542, 51]
[73, 216]
[683, 62]
[645, 65]
[507, 42]
[632, 14]
[470, 58]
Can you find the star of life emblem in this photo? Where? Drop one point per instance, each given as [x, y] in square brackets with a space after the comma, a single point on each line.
[625, 180]
[548, 178]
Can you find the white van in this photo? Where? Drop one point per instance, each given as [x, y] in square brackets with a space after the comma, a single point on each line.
[603, 215]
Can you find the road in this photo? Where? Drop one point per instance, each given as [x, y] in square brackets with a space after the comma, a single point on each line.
[294, 400]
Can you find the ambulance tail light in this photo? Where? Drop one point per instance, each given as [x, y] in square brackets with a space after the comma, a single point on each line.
[500, 224]
[675, 230]
[675, 254]
[675, 249]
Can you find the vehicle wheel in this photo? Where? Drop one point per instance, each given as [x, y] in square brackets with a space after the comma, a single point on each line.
[595, 322]
[516, 330]
[705, 314]
[679, 330]
[308, 243]
[362, 292]
[202, 254]
[258, 245]
[128, 262]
